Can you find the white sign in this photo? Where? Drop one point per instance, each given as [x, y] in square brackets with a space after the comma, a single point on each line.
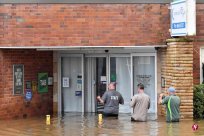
[183, 18]
[178, 18]
[65, 81]
[103, 78]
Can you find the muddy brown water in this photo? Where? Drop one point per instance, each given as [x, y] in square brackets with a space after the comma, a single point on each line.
[76, 124]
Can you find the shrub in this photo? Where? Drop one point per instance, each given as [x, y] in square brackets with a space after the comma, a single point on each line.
[198, 101]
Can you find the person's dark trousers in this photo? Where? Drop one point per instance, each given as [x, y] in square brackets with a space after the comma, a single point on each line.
[132, 119]
[110, 115]
[172, 121]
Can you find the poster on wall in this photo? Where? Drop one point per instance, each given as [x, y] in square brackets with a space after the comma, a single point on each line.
[34, 85]
[18, 79]
[42, 82]
[28, 95]
[28, 84]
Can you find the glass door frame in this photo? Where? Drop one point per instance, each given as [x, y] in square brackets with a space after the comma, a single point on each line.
[101, 55]
[155, 63]
[60, 79]
[108, 56]
[120, 55]
[107, 72]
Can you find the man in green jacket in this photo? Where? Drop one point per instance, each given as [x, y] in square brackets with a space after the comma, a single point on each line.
[172, 103]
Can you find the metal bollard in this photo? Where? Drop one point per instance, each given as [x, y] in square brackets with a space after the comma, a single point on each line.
[100, 118]
[48, 119]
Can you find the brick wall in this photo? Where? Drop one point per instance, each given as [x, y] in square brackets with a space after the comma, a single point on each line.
[177, 69]
[15, 106]
[83, 24]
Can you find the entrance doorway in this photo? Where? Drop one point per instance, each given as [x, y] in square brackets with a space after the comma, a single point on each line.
[99, 71]
[88, 76]
[95, 82]
[144, 69]
[120, 72]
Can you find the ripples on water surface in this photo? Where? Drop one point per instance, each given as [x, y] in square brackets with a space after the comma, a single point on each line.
[75, 124]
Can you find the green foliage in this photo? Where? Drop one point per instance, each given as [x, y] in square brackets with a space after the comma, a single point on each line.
[198, 101]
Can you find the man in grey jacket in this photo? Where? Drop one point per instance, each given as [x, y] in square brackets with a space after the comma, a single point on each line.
[111, 100]
[140, 103]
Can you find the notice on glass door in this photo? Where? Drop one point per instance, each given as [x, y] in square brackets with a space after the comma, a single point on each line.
[144, 79]
[103, 78]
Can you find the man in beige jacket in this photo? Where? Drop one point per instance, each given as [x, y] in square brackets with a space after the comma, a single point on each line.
[140, 103]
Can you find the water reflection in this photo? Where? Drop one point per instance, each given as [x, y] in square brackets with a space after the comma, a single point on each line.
[76, 124]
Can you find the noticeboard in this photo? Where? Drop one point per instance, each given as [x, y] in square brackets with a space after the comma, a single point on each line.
[18, 79]
[42, 82]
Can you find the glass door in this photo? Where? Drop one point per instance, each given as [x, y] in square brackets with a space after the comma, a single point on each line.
[101, 70]
[101, 80]
[72, 83]
[144, 70]
[120, 72]
[95, 82]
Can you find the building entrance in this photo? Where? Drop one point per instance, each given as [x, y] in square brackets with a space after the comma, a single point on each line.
[86, 76]
[102, 70]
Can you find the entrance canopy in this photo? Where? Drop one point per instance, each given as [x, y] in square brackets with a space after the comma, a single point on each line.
[91, 49]
[103, 49]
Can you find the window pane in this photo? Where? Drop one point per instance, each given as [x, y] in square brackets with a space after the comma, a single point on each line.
[120, 72]
[144, 72]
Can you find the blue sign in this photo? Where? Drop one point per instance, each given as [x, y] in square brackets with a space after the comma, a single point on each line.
[179, 25]
[28, 95]
[78, 93]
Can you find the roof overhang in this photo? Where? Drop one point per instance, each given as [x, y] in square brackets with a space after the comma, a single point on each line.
[93, 49]
[82, 47]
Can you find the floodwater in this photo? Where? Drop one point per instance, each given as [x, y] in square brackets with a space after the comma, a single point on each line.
[75, 124]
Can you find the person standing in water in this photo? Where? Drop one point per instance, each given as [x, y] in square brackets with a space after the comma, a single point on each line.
[172, 103]
[140, 104]
[111, 100]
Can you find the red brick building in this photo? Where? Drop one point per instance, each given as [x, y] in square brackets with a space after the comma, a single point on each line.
[84, 46]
